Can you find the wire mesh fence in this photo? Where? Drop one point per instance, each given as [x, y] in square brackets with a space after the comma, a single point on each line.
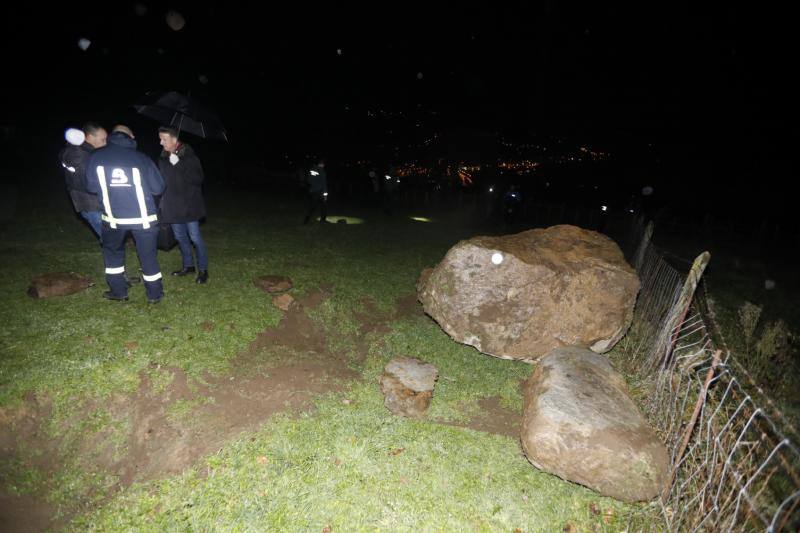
[735, 465]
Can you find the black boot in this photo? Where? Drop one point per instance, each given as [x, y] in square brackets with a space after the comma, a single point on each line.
[202, 277]
[183, 271]
[108, 295]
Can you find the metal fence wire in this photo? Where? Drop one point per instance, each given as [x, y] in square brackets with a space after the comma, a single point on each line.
[735, 464]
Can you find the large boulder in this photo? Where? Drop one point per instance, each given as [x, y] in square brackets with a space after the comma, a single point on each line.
[579, 424]
[519, 296]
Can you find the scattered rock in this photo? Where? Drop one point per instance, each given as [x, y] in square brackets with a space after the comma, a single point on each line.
[407, 385]
[57, 284]
[519, 296]
[273, 284]
[283, 302]
[579, 424]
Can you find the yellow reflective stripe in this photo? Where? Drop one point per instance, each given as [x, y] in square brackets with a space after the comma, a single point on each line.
[137, 183]
[115, 270]
[154, 277]
[101, 173]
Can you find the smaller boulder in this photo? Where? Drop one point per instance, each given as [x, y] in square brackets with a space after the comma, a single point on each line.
[580, 424]
[407, 385]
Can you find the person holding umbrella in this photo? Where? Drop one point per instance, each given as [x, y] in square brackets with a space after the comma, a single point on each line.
[182, 204]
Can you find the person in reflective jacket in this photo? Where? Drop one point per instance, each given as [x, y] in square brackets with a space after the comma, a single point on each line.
[126, 181]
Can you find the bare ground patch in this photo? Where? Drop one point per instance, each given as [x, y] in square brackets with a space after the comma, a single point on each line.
[168, 428]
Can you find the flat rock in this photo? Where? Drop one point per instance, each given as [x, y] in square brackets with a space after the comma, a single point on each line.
[54, 284]
[273, 284]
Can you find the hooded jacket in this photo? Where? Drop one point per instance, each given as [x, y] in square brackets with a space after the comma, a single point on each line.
[125, 180]
[73, 161]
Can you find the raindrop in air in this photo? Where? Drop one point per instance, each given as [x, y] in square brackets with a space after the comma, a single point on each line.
[175, 20]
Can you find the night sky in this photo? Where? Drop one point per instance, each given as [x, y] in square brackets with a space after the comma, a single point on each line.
[703, 92]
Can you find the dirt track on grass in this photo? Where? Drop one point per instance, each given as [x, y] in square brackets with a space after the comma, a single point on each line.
[161, 441]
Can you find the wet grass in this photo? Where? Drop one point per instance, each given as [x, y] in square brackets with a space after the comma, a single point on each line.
[348, 464]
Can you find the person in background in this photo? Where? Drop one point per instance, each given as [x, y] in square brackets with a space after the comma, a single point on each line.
[317, 181]
[512, 201]
[390, 184]
[73, 158]
[182, 205]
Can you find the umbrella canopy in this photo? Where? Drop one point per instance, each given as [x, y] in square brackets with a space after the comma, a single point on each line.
[186, 115]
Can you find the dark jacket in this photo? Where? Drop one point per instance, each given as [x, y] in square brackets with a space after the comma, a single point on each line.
[73, 161]
[117, 174]
[183, 196]
[317, 180]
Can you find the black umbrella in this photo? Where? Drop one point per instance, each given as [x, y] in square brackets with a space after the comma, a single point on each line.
[185, 114]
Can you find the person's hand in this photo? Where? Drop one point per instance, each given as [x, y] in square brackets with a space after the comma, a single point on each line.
[173, 158]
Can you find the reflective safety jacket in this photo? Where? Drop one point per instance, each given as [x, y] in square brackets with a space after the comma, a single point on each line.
[125, 180]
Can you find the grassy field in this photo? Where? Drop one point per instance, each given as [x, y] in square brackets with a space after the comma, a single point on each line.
[84, 382]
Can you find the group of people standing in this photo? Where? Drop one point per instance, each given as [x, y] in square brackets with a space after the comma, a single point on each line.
[121, 192]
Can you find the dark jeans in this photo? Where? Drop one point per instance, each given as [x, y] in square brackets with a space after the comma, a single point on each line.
[186, 235]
